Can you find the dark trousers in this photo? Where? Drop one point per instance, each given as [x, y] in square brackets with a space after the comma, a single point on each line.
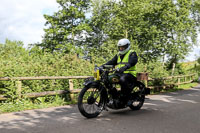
[127, 82]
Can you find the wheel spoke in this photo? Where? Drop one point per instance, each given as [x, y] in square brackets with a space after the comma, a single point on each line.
[94, 108]
[90, 108]
[97, 96]
[94, 91]
[90, 111]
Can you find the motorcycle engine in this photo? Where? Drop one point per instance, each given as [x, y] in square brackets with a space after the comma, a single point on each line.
[115, 104]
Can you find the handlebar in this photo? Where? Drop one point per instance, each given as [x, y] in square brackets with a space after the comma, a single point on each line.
[108, 66]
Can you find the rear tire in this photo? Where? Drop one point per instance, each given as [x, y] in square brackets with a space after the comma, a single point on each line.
[138, 99]
[89, 103]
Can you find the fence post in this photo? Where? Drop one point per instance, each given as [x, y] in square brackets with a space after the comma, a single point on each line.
[71, 87]
[143, 77]
[19, 89]
[193, 76]
[179, 81]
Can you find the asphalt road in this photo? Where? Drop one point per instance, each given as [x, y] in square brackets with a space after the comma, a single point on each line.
[177, 112]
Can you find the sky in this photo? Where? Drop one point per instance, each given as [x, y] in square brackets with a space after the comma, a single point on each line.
[23, 20]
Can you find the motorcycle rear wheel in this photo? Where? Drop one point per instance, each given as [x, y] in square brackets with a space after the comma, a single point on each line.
[139, 100]
[89, 103]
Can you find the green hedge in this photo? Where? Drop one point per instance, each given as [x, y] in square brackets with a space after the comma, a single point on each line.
[16, 61]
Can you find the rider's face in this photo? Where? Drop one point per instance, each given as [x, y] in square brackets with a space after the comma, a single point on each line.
[121, 48]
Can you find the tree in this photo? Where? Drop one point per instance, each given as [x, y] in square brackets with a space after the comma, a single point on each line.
[65, 27]
[155, 27]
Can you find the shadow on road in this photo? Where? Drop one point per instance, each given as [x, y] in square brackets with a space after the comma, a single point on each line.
[28, 121]
[39, 121]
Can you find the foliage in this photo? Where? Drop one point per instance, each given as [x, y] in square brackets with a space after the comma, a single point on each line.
[73, 43]
[197, 66]
[156, 27]
[27, 104]
[16, 61]
[198, 60]
[157, 70]
[66, 27]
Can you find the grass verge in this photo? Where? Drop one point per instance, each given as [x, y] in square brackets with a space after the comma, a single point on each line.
[176, 88]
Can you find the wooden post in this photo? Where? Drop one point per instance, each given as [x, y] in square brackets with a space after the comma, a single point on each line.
[19, 89]
[146, 83]
[164, 82]
[179, 80]
[192, 77]
[71, 87]
[143, 77]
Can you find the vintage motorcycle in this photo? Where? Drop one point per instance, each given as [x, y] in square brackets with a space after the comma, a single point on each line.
[98, 93]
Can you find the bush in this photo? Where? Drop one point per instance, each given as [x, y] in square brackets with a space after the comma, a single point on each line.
[16, 61]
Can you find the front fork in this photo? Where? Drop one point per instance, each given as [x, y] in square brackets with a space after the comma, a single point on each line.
[104, 96]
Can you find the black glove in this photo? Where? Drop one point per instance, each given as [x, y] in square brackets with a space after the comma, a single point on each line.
[122, 69]
[101, 67]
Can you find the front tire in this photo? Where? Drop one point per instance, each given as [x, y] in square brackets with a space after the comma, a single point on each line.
[89, 103]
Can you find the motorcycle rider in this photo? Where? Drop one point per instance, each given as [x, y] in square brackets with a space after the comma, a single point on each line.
[125, 60]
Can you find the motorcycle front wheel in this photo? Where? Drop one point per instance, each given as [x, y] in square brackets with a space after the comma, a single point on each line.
[89, 103]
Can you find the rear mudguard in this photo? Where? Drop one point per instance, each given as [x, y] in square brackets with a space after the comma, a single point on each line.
[141, 85]
[147, 91]
[100, 87]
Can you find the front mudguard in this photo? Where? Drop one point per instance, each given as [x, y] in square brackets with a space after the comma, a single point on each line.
[92, 83]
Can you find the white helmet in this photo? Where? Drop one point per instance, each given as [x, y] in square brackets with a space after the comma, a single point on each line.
[123, 46]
